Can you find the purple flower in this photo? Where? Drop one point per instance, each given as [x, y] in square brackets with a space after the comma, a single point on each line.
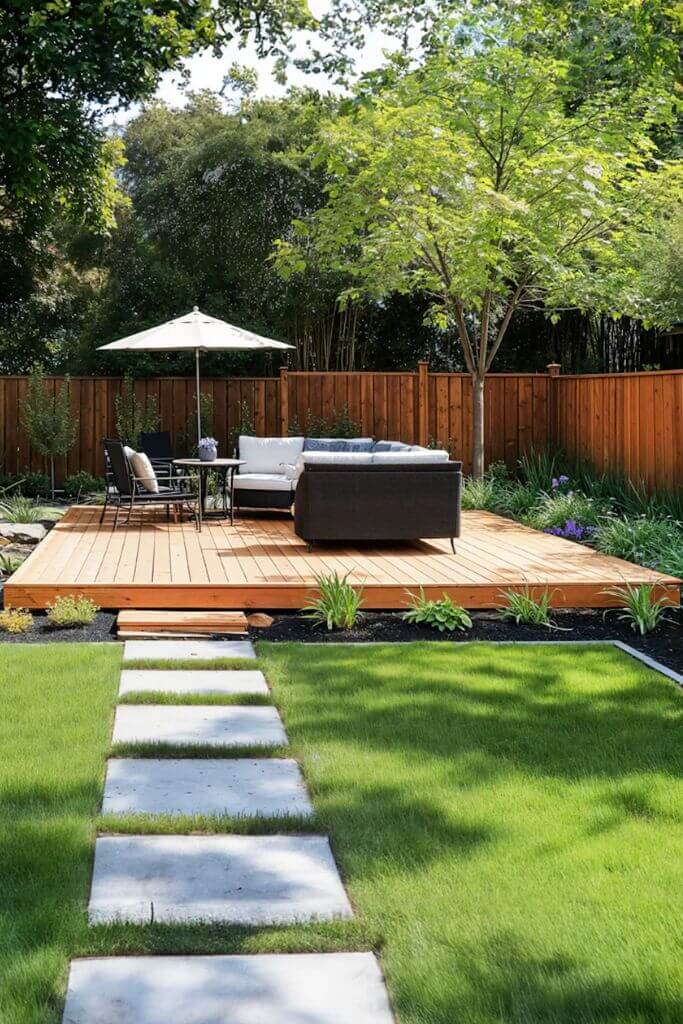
[564, 479]
[555, 483]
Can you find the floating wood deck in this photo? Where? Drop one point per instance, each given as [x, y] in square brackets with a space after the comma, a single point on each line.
[260, 563]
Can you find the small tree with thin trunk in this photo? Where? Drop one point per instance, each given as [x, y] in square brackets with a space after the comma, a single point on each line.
[133, 417]
[472, 181]
[47, 418]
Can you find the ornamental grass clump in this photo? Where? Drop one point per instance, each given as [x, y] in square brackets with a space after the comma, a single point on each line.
[524, 609]
[19, 509]
[640, 606]
[70, 611]
[443, 615]
[654, 543]
[15, 620]
[337, 603]
[559, 508]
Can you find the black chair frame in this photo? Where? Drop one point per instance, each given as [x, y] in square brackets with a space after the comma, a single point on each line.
[125, 490]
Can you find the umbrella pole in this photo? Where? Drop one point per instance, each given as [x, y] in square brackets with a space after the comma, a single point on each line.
[199, 412]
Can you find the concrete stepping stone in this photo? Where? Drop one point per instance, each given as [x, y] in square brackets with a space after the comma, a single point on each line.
[202, 650]
[198, 682]
[267, 787]
[198, 724]
[230, 879]
[299, 988]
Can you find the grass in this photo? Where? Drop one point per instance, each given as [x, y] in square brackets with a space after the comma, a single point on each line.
[227, 699]
[57, 710]
[507, 820]
[194, 664]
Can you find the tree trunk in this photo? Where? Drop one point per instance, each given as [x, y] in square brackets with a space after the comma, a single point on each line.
[52, 476]
[478, 464]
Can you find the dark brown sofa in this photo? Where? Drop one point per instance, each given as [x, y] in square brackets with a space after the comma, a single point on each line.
[403, 501]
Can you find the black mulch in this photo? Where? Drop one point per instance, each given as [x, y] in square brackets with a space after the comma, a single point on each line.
[665, 644]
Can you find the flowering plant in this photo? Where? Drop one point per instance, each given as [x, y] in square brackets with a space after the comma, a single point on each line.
[558, 482]
[572, 531]
[208, 442]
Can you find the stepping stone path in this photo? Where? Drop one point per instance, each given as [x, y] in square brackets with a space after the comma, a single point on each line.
[228, 879]
[199, 725]
[267, 787]
[181, 650]
[201, 681]
[300, 988]
[235, 879]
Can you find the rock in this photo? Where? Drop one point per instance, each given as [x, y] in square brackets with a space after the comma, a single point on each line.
[259, 620]
[23, 533]
[3, 541]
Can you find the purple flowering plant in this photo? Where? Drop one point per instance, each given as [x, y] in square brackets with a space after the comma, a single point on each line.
[572, 531]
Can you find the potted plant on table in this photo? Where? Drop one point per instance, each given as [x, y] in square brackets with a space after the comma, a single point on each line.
[208, 449]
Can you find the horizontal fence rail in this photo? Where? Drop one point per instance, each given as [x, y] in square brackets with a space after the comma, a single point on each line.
[625, 423]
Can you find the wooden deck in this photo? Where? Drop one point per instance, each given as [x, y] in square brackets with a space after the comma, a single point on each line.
[260, 563]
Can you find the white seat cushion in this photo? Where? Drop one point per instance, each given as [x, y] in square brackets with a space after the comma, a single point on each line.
[408, 458]
[143, 471]
[263, 482]
[268, 454]
[337, 458]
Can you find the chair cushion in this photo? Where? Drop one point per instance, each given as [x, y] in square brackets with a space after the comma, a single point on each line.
[262, 482]
[337, 458]
[425, 455]
[338, 444]
[267, 454]
[143, 470]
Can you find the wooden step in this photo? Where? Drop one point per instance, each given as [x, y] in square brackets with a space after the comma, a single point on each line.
[197, 622]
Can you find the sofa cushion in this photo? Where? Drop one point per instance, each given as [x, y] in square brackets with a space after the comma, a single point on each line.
[426, 455]
[338, 444]
[390, 446]
[262, 482]
[337, 458]
[268, 454]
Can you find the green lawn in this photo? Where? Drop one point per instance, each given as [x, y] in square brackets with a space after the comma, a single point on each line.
[507, 820]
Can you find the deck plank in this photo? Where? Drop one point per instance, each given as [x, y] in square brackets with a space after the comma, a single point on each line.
[260, 563]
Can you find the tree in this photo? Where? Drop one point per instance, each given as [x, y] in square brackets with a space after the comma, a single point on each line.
[47, 418]
[470, 180]
[63, 63]
[133, 417]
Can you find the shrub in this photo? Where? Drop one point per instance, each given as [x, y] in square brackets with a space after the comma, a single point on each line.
[525, 609]
[337, 603]
[47, 418]
[442, 615]
[483, 494]
[339, 424]
[82, 483]
[34, 485]
[640, 608]
[133, 417]
[519, 501]
[19, 509]
[557, 509]
[15, 620]
[654, 543]
[71, 610]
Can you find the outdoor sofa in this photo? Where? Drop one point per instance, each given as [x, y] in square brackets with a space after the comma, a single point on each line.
[352, 489]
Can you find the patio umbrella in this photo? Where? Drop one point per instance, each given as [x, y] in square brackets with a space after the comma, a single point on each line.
[196, 331]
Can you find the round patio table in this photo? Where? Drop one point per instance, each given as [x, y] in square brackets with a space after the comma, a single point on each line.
[226, 467]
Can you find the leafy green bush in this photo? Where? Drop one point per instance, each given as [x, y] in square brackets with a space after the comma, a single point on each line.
[31, 485]
[483, 494]
[71, 610]
[555, 510]
[19, 509]
[524, 609]
[15, 620]
[337, 603]
[640, 607]
[339, 424]
[654, 543]
[519, 501]
[442, 615]
[82, 483]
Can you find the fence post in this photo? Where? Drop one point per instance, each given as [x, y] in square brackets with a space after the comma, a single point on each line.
[554, 370]
[284, 401]
[422, 401]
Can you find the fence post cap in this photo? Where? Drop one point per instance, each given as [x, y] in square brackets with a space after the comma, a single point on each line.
[554, 369]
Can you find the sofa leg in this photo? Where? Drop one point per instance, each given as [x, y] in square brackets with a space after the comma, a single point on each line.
[452, 540]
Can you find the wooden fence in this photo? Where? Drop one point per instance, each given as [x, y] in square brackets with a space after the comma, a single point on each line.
[630, 423]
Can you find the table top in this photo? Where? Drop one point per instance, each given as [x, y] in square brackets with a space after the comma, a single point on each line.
[208, 465]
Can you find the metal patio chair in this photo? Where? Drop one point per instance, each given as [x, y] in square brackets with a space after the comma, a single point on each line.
[124, 490]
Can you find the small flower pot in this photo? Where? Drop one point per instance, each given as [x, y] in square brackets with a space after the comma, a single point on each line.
[208, 454]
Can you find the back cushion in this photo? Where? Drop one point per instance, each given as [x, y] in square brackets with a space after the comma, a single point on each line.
[268, 454]
[406, 458]
[338, 444]
[337, 458]
[142, 469]
[390, 446]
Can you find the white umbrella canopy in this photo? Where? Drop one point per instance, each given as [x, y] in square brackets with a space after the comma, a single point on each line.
[196, 331]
